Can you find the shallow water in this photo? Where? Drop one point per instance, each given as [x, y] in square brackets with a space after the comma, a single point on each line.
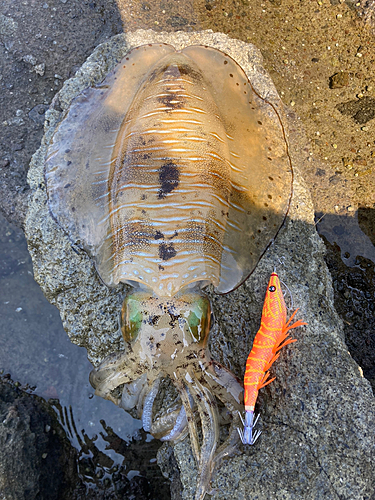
[36, 351]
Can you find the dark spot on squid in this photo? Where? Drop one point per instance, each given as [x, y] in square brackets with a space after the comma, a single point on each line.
[166, 100]
[166, 252]
[169, 178]
[171, 71]
[154, 320]
[159, 235]
[158, 345]
[174, 319]
[67, 185]
[173, 235]
[161, 268]
[185, 69]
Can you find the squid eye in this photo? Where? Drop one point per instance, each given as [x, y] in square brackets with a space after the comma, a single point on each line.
[131, 318]
[199, 319]
[272, 288]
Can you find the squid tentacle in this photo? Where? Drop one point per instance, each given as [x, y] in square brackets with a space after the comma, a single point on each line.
[132, 392]
[210, 429]
[179, 429]
[115, 370]
[192, 426]
[230, 445]
[224, 385]
[149, 403]
[171, 425]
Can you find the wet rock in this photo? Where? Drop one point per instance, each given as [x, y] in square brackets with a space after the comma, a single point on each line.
[7, 25]
[354, 299]
[366, 221]
[177, 21]
[169, 468]
[36, 461]
[40, 69]
[339, 80]
[318, 435]
[30, 59]
[361, 110]
[4, 163]
[17, 146]
[37, 114]
[24, 29]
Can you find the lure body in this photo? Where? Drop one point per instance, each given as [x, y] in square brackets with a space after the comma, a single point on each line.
[271, 337]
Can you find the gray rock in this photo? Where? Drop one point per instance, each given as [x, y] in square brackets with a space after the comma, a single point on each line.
[7, 25]
[318, 417]
[36, 459]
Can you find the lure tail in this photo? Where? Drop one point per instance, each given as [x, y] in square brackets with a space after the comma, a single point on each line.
[247, 436]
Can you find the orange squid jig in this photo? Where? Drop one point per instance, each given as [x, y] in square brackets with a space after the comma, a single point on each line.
[271, 337]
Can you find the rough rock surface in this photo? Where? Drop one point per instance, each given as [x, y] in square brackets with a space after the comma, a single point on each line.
[318, 417]
[36, 459]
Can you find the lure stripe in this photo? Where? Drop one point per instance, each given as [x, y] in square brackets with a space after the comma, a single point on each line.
[275, 327]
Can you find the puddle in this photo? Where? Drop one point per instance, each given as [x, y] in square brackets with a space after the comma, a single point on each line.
[37, 353]
[354, 234]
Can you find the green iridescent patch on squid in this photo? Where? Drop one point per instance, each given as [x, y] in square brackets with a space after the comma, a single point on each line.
[198, 320]
[131, 318]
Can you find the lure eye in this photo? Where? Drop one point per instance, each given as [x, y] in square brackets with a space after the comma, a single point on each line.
[272, 288]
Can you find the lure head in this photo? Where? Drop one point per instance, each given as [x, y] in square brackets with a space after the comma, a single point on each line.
[274, 309]
[163, 332]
